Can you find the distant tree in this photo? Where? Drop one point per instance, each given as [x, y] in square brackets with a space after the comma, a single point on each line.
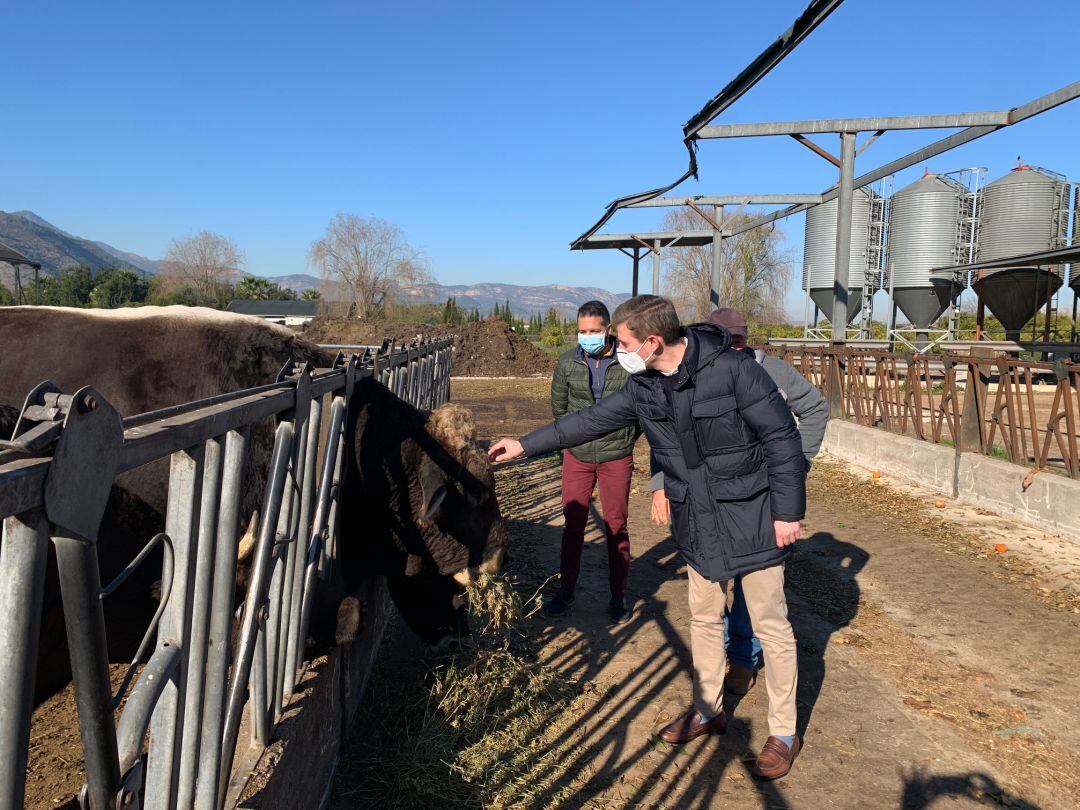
[50, 290]
[311, 295]
[206, 262]
[115, 287]
[257, 288]
[454, 314]
[756, 270]
[7, 298]
[76, 284]
[368, 257]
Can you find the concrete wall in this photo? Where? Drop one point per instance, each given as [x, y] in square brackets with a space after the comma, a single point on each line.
[1052, 501]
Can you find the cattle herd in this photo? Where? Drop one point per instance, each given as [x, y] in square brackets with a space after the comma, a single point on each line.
[418, 503]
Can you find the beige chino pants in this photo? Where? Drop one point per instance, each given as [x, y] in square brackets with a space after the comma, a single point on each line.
[767, 605]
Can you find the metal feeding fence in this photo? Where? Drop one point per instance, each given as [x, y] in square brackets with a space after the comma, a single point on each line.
[188, 699]
[1025, 411]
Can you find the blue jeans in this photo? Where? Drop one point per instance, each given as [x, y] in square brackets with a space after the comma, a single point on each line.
[739, 639]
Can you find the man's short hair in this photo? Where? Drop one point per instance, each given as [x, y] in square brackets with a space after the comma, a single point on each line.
[646, 315]
[594, 309]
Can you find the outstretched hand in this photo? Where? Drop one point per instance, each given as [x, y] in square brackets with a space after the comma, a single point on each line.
[505, 450]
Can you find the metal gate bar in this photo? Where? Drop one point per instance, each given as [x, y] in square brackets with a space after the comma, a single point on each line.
[184, 698]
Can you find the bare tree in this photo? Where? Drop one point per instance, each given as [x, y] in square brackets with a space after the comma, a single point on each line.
[368, 259]
[206, 262]
[756, 270]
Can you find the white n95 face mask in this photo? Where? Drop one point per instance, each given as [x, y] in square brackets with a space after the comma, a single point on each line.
[631, 361]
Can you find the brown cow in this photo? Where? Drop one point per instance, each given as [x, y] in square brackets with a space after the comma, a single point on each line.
[424, 483]
[153, 357]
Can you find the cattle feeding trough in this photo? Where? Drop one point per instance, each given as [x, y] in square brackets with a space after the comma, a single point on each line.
[175, 740]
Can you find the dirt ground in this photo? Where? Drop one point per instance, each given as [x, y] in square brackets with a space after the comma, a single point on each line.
[484, 348]
[934, 670]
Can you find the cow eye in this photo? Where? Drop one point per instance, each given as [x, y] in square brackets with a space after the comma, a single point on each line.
[477, 499]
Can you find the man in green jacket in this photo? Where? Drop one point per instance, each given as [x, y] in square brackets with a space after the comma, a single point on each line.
[585, 375]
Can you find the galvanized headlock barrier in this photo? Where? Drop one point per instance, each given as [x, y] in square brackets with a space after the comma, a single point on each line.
[55, 477]
[997, 406]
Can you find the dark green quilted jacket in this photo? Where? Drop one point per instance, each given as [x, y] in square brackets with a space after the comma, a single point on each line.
[571, 392]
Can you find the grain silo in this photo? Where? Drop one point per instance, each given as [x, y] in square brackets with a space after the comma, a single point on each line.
[819, 253]
[1026, 211]
[925, 229]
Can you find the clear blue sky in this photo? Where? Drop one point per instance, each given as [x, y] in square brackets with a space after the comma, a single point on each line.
[491, 132]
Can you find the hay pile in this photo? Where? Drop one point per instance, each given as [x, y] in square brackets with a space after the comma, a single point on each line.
[484, 349]
[474, 729]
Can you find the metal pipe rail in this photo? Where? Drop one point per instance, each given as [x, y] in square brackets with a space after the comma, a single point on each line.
[184, 698]
[1024, 411]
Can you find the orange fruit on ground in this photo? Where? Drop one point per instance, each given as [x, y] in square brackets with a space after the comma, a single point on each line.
[1001, 548]
[940, 504]
[876, 475]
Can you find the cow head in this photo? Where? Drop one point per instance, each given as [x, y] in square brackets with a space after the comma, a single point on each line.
[458, 513]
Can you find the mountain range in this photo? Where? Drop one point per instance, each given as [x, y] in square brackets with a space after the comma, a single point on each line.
[43, 242]
[40, 240]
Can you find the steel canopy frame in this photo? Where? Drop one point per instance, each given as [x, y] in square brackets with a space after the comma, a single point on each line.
[1017, 114]
[653, 242]
[836, 125]
[812, 16]
[1065, 255]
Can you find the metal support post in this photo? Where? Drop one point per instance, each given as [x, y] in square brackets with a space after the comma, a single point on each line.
[838, 316]
[717, 257]
[84, 620]
[656, 268]
[637, 261]
[181, 524]
[255, 600]
[221, 617]
[974, 410]
[202, 592]
[23, 554]
[294, 653]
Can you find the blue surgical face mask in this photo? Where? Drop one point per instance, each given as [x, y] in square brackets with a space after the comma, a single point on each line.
[591, 344]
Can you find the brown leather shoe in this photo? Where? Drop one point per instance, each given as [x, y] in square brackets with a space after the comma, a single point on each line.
[689, 726]
[775, 759]
[739, 679]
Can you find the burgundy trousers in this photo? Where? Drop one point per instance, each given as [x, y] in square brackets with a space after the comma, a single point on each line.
[578, 480]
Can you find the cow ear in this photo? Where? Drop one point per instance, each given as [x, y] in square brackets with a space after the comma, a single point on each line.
[433, 488]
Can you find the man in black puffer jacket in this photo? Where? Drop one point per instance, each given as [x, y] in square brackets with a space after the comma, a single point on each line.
[735, 475]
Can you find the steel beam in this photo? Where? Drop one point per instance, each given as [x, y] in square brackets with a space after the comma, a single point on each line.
[717, 257]
[838, 317]
[729, 199]
[637, 262]
[1016, 115]
[649, 241]
[1063, 255]
[820, 151]
[997, 118]
[656, 267]
[813, 15]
